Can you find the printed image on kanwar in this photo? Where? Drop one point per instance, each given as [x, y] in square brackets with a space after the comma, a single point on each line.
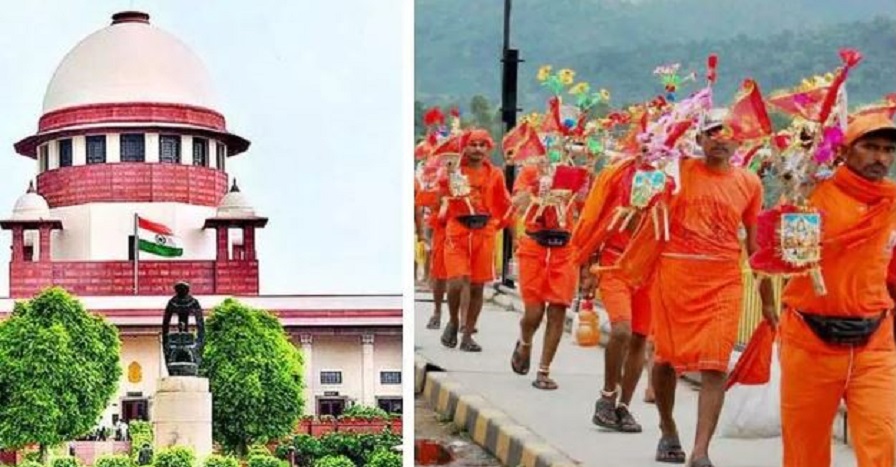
[669, 241]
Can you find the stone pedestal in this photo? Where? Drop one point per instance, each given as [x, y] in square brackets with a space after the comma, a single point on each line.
[182, 414]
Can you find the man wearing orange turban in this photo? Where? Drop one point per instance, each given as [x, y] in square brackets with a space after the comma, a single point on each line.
[628, 307]
[472, 223]
[839, 346]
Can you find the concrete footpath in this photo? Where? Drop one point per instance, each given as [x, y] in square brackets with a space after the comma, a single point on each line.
[521, 425]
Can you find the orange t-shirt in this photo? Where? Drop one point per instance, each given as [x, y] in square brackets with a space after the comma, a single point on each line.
[528, 180]
[855, 277]
[705, 217]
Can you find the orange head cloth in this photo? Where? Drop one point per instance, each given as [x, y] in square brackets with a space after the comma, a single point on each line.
[478, 135]
[755, 364]
[864, 125]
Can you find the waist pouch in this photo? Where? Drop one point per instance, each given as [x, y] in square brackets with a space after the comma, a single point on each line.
[550, 238]
[843, 331]
[474, 221]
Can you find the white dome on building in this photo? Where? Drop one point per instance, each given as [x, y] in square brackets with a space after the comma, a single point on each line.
[31, 206]
[130, 61]
[235, 205]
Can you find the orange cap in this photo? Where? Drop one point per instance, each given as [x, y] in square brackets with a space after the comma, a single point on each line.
[479, 135]
[864, 125]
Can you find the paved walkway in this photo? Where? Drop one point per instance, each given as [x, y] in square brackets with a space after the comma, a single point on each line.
[562, 418]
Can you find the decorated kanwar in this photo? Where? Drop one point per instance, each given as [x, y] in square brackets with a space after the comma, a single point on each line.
[553, 155]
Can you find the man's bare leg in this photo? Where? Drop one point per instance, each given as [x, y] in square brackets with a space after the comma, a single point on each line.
[456, 287]
[664, 382]
[553, 332]
[529, 323]
[464, 306]
[712, 396]
[473, 310]
[614, 358]
[649, 395]
[634, 365]
[438, 296]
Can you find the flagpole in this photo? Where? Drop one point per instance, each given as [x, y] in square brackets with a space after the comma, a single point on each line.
[136, 251]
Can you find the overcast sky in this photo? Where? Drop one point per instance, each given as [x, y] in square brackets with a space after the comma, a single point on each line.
[315, 85]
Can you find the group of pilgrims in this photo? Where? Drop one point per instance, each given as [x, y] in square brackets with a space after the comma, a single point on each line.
[655, 211]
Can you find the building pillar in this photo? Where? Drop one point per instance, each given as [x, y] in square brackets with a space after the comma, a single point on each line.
[18, 244]
[222, 232]
[44, 244]
[368, 372]
[307, 341]
[249, 242]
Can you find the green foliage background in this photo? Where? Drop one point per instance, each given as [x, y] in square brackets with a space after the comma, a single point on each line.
[59, 368]
[616, 44]
[255, 374]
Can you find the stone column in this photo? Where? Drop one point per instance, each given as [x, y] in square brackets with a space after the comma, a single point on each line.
[223, 247]
[44, 244]
[368, 372]
[249, 242]
[307, 341]
[18, 244]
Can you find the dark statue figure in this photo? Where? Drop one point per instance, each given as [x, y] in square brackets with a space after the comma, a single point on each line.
[183, 350]
[145, 455]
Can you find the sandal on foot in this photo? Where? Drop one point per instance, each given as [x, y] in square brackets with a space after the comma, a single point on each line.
[702, 462]
[669, 451]
[470, 346]
[449, 336]
[627, 422]
[517, 364]
[605, 413]
[435, 322]
[543, 381]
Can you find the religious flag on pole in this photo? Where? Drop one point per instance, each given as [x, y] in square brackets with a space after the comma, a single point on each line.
[157, 239]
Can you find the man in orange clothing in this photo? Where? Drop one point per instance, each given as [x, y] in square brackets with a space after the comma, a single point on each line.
[430, 200]
[472, 222]
[839, 346]
[546, 269]
[697, 289]
[628, 307]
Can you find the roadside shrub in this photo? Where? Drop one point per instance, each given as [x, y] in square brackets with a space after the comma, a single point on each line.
[384, 458]
[216, 460]
[334, 461]
[114, 461]
[64, 462]
[268, 460]
[177, 456]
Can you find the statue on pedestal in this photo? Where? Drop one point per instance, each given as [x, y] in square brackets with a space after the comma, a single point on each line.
[183, 349]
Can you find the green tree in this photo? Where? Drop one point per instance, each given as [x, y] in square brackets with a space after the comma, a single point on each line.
[255, 374]
[58, 371]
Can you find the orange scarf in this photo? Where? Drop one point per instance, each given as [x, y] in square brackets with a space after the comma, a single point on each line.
[880, 198]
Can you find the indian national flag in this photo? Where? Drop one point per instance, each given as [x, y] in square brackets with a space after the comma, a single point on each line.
[157, 239]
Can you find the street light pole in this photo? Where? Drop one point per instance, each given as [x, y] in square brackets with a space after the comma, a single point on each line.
[510, 65]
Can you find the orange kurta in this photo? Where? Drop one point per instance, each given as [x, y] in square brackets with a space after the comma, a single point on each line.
[859, 229]
[624, 302]
[697, 291]
[471, 253]
[429, 199]
[547, 274]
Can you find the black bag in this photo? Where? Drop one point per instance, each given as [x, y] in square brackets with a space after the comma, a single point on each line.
[550, 238]
[843, 331]
[474, 221]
